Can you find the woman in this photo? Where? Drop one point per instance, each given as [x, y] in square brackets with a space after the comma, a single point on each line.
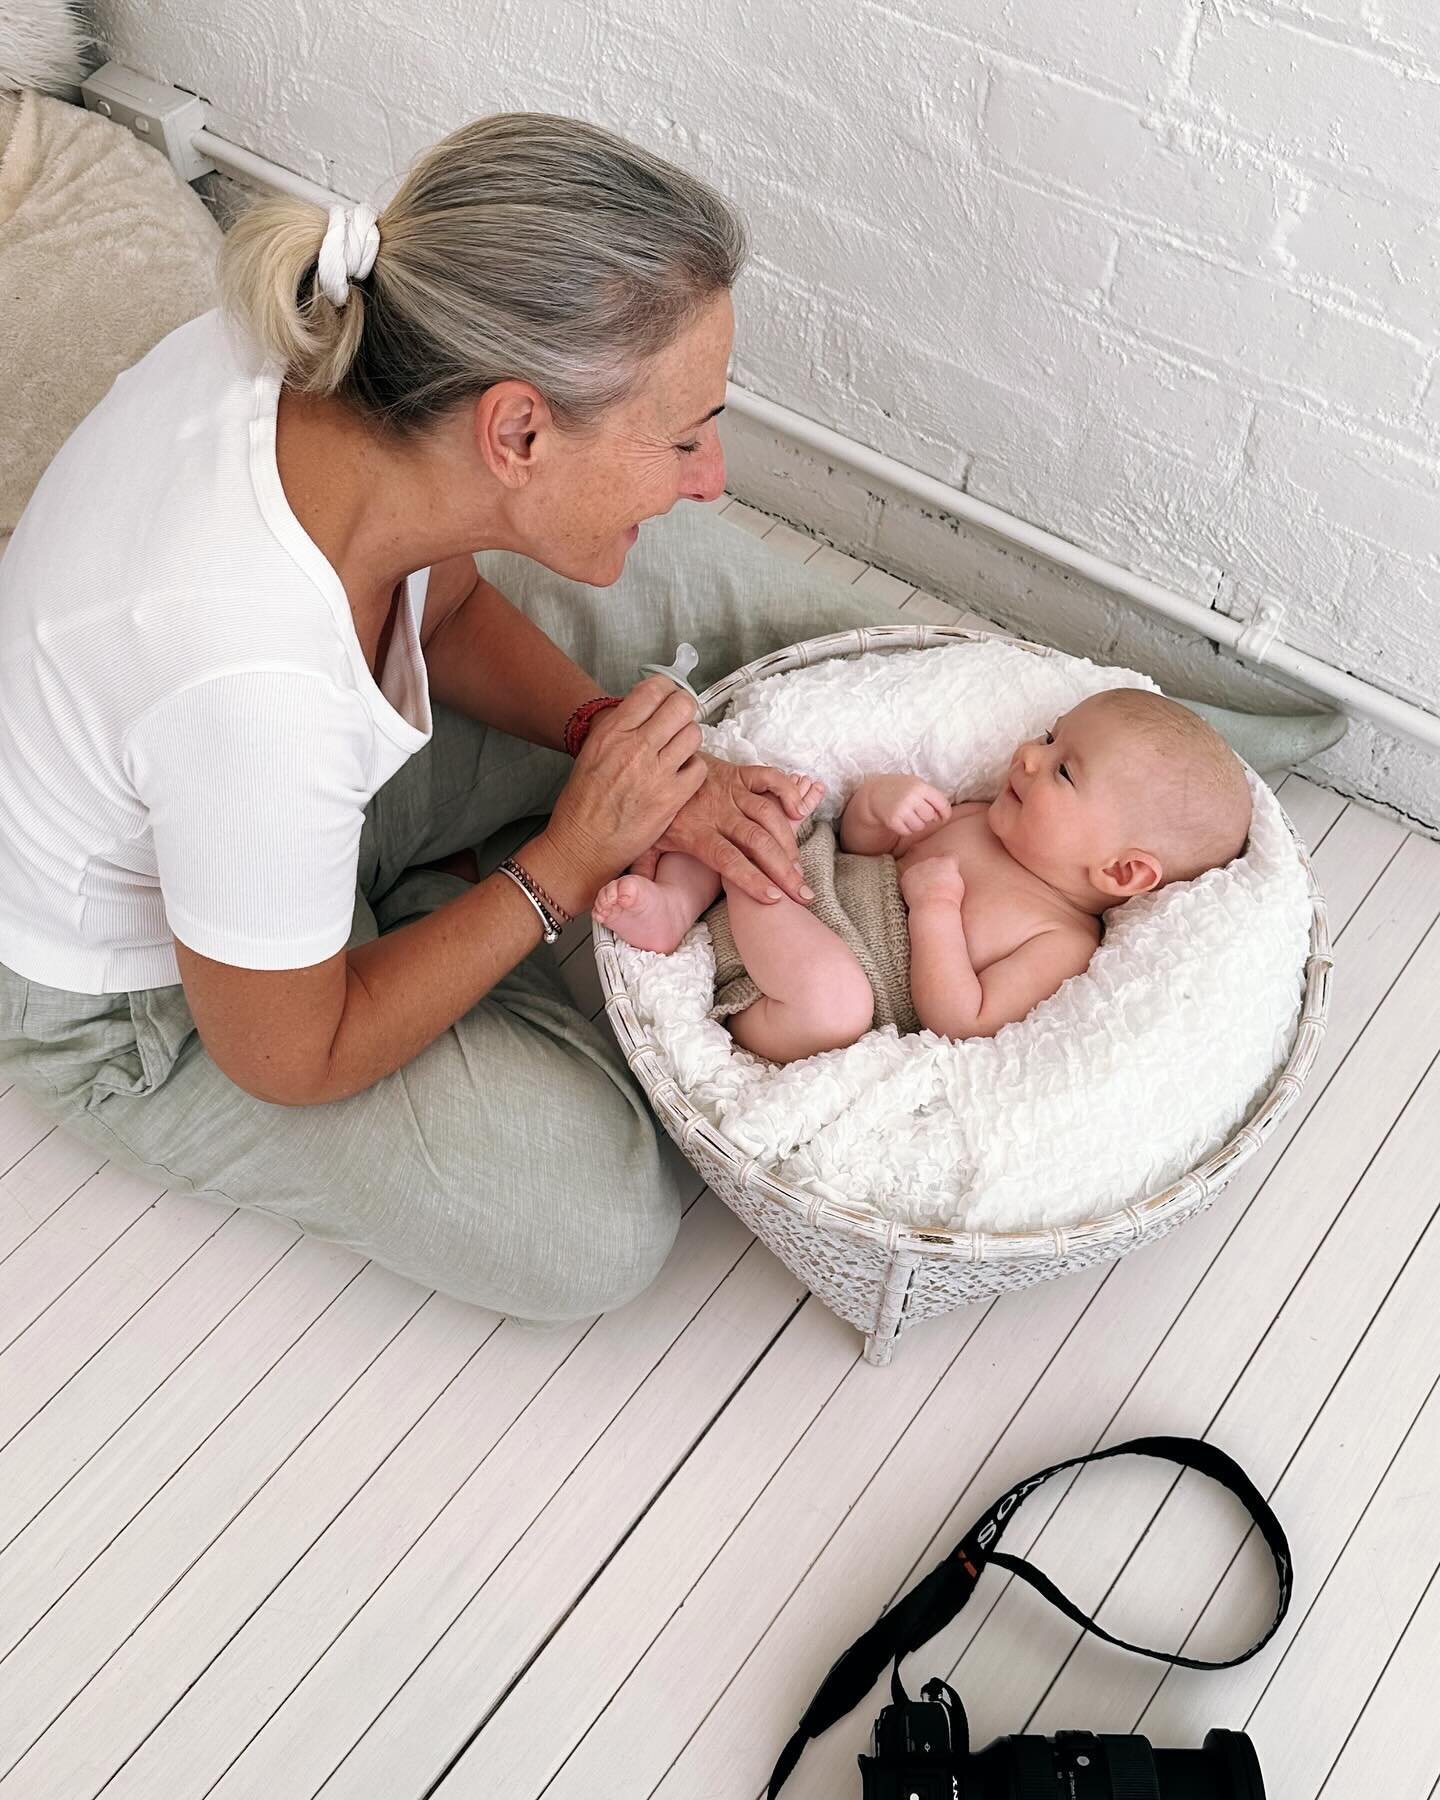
[257, 709]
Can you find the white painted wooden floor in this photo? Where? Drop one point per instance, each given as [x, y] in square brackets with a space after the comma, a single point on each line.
[276, 1523]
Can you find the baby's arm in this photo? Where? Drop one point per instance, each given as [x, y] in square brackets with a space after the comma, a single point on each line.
[887, 813]
[950, 998]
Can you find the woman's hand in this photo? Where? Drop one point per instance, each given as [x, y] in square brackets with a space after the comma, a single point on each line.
[636, 770]
[741, 823]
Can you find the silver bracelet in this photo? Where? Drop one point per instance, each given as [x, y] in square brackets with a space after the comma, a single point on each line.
[549, 926]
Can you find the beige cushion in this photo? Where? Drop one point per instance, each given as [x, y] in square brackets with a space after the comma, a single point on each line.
[103, 250]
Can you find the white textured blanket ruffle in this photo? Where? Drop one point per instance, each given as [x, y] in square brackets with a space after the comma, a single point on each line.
[1110, 1090]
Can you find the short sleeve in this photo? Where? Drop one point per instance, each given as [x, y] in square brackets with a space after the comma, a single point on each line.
[255, 787]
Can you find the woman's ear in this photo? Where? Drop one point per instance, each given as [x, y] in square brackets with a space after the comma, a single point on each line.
[1132, 872]
[507, 417]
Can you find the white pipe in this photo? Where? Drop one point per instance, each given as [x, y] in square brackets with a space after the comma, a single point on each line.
[1346, 691]
[250, 167]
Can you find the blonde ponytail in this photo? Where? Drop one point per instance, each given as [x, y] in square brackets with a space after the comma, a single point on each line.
[267, 279]
[523, 245]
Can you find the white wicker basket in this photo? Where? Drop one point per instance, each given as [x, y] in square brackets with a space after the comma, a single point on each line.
[879, 1276]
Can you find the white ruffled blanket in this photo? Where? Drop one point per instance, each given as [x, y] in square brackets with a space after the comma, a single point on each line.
[1110, 1090]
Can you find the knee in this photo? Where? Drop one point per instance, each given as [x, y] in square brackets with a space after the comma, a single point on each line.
[639, 1238]
[613, 1255]
[844, 1008]
[610, 1208]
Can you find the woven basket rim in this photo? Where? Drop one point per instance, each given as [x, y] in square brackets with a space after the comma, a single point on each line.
[856, 1219]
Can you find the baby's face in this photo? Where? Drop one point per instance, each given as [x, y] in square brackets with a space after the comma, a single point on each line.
[1068, 805]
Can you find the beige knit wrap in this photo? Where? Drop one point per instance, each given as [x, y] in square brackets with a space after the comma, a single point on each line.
[858, 897]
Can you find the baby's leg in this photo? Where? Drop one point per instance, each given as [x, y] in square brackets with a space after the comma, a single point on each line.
[655, 915]
[816, 995]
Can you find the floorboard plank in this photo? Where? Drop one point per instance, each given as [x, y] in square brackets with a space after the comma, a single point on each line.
[22, 1126]
[38, 1183]
[839, 567]
[156, 1663]
[87, 1639]
[65, 1427]
[1312, 810]
[880, 586]
[794, 546]
[1390, 1553]
[442, 1639]
[1395, 1748]
[578, 1379]
[100, 1302]
[656, 1565]
[1327, 1500]
[71, 1239]
[758, 524]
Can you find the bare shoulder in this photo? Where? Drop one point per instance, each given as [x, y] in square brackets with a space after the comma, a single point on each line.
[1067, 942]
[451, 582]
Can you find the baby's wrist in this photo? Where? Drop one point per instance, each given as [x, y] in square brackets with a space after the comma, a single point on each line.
[937, 902]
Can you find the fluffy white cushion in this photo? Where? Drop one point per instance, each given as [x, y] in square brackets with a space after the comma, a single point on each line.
[1106, 1092]
[103, 249]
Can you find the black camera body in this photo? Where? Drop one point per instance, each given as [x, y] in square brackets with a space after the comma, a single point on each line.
[915, 1754]
[921, 1751]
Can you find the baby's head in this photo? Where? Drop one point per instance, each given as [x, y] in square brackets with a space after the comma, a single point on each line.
[1128, 791]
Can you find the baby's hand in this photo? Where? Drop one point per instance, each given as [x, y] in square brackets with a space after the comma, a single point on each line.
[906, 804]
[931, 878]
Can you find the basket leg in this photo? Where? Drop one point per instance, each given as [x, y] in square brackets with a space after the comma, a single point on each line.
[880, 1344]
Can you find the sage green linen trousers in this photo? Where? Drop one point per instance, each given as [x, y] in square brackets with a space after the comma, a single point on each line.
[514, 1162]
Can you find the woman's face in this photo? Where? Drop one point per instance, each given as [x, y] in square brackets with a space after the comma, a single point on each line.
[589, 493]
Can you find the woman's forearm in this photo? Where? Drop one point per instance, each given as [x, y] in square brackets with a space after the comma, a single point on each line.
[489, 661]
[408, 986]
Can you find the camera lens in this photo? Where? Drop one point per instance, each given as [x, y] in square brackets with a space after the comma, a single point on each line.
[1097, 1767]
[1226, 1769]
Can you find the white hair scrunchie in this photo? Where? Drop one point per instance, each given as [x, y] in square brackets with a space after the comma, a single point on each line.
[348, 252]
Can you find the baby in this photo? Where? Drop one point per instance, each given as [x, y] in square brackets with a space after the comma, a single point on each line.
[957, 919]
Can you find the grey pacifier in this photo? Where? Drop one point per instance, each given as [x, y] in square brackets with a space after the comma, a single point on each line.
[687, 658]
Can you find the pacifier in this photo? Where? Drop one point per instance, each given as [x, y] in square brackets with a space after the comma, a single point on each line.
[687, 659]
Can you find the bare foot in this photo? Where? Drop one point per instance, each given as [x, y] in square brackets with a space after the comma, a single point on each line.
[643, 913]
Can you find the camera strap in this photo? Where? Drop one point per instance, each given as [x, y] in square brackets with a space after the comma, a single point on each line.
[934, 1602]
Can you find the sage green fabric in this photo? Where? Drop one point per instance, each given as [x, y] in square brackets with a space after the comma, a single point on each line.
[514, 1162]
[1270, 742]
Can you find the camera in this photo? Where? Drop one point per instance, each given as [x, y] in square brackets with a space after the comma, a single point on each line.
[921, 1752]
[920, 1749]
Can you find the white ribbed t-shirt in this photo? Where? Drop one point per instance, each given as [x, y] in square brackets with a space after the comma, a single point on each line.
[189, 733]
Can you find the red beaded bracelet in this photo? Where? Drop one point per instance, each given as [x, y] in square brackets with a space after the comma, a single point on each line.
[577, 726]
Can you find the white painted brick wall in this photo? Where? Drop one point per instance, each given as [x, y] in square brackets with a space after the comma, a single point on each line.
[1160, 275]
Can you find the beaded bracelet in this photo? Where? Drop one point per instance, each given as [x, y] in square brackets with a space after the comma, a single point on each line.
[553, 916]
[577, 726]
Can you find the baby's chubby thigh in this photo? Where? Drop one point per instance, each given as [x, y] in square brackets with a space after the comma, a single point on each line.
[816, 995]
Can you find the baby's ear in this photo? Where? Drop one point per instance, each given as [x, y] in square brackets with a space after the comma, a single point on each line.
[1131, 873]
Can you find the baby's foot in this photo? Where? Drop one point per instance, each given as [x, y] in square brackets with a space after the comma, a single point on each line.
[643, 913]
